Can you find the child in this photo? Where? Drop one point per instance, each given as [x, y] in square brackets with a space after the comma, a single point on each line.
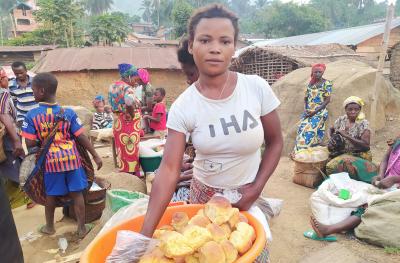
[63, 171]
[100, 120]
[158, 120]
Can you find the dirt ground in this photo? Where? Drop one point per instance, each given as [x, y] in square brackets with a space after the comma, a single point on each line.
[288, 244]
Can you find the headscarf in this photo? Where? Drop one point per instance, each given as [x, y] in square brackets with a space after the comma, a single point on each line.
[358, 101]
[127, 70]
[320, 66]
[97, 100]
[144, 75]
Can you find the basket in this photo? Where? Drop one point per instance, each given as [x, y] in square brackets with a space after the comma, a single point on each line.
[95, 202]
[150, 164]
[99, 249]
[3, 155]
[308, 174]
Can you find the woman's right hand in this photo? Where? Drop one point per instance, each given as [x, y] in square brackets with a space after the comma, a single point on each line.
[375, 180]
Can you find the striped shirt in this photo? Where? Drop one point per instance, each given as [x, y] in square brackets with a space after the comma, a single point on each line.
[99, 121]
[63, 154]
[23, 98]
[6, 103]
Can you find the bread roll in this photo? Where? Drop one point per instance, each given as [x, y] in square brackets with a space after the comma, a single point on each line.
[165, 228]
[201, 212]
[218, 210]
[196, 236]
[218, 233]
[179, 220]
[247, 230]
[199, 220]
[231, 252]
[242, 238]
[212, 252]
[174, 245]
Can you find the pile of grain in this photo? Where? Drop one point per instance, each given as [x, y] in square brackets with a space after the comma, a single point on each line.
[125, 181]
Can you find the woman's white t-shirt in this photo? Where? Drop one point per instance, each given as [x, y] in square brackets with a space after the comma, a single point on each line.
[227, 134]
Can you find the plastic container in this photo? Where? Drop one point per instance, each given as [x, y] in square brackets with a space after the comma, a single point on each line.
[101, 246]
[118, 198]
[150, 164]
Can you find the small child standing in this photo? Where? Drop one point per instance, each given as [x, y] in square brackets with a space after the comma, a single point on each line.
[158, 120]
[63, 171]
[100, 117]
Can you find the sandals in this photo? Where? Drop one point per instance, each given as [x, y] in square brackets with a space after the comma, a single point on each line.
[312, 235]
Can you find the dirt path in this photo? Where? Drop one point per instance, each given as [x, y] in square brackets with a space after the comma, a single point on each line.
[288, 245]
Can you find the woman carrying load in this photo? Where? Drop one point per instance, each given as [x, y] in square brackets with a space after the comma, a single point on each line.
[311, 130]
[228, 115]
[351, 131]
[126, 105]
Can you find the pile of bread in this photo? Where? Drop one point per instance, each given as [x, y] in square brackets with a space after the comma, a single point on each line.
[216, 234]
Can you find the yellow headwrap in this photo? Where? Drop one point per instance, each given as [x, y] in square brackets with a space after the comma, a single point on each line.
[356, 100]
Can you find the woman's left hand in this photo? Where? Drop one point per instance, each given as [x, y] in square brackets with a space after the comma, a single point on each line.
[250, 194]
[343, 133]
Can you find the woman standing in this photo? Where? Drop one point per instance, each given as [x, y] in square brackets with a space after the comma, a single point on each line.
[311, 130]
[127, 129]
[228, 115]
[356, 157]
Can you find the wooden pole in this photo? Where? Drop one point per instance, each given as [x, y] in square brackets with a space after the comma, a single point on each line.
[379, 72]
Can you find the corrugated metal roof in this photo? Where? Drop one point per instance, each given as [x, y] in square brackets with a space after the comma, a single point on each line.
[26, 48]
[346, 36]
[100, 58]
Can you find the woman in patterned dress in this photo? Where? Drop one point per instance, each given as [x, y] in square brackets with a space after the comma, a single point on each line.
[354, 129]
[311, 130]
[126, 105]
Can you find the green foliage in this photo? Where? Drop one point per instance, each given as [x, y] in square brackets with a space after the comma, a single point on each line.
[109, 28]
[349, 13]
[97, 7]
[181, 13]
[282, 20]
[61, 18]
[392, 250]
[38, 37]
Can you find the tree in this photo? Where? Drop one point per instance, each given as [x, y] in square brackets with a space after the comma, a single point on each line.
[147, 10]
[349, 13]
[181, 13]
[282, 20]
[109, 28]
[36, 37]
[97, 7]
[60, 18]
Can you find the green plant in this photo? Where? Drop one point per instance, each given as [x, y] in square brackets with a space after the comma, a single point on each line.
[392, 250]
[109, 28]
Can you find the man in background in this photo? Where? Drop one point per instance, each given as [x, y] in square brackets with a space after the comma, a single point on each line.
[21, 91]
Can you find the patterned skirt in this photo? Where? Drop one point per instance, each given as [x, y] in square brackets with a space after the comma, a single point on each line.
[126, 132]
[311, 131]
[201, 194]
[359, 167]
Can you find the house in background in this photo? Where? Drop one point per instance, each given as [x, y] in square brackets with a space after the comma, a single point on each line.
[23, 20]
[144, 28]
[86, 72]
[26, 54]
[365, 40]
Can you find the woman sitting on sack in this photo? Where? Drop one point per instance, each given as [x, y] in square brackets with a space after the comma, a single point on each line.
[389, 176]
[350, 143]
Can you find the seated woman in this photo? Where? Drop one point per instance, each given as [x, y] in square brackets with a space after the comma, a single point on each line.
[355, 157]
[389, 175]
